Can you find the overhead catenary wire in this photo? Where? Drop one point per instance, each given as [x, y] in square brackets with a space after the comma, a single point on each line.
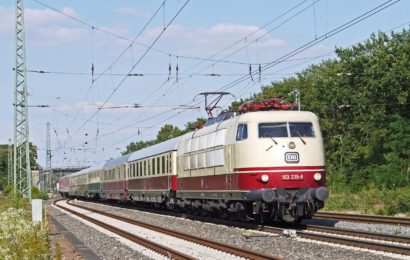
[42, 71]
[305, 46]
[121, 37]
[119, 57]
[319, 39]
[216, 74]
[264, 73]
[132, 68]
[366, 17]
[258, 38]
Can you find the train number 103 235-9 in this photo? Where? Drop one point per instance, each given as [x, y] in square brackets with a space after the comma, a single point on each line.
[292, 177]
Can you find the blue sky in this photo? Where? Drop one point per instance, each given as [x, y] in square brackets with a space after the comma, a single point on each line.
[55, 43]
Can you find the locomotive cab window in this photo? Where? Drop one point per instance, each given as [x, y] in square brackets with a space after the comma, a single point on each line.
[242, 132]
[277, 129]
[301, 129]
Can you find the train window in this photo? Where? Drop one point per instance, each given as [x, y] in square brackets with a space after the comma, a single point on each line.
[145, 167]
[158, 165]
[242, 132]
[131, 170]
[163, 164]
[168, 169]
[277, 129]
[301, 129]
[170, 163]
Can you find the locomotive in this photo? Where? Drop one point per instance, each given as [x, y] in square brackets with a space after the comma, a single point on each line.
[260, 164]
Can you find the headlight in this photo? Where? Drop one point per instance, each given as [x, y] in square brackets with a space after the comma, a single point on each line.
[265, 178]
[291, 145]
[317, 176]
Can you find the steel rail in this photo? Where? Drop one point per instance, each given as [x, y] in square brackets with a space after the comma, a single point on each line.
[377, 246]
[363, 218]
[163, 250]
[201, 241]
[362, 234]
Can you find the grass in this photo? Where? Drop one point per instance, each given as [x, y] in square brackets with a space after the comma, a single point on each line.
[371, 200]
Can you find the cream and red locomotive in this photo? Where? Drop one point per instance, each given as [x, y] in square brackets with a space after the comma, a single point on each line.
[265, 165]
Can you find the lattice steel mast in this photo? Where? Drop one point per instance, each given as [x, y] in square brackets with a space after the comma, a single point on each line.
[21, 156]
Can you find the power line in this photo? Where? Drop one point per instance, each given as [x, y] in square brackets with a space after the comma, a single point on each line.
[321, 38]
[119, 57]
[258, 38]
[139, 60]
[182, 56]
[121, 37]
[41, 71]
[247, 36]
[286, 58]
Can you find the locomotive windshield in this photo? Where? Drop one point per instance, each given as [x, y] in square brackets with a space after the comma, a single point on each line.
[298, 129]
[278, 129]
[286, 129]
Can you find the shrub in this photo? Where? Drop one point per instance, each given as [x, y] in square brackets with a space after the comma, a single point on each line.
[19, 238]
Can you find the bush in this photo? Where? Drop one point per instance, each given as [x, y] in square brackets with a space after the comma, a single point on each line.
[371, 200]
[37, 194]
[20, 239]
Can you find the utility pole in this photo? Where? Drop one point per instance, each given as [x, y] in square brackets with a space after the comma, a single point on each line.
[21, 155]
[10, 164]
[48, 159]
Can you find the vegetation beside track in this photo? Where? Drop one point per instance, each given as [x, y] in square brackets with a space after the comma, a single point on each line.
[19, 238]
[371, 200]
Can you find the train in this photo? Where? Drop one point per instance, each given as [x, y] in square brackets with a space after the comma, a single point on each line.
[254, 165]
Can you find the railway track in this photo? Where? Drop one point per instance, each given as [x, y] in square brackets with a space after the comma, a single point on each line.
[362, 234]
[163, 250]
[367, 240]
[351, 238]
[363, 218]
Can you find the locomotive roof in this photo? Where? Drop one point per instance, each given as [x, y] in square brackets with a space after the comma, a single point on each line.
[167, 146]
[275, 115]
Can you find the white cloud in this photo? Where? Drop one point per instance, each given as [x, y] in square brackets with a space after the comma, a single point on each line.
[44, 27]
[38, 17]
[207, 40]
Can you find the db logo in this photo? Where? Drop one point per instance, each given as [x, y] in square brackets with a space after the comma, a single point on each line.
[292, 157]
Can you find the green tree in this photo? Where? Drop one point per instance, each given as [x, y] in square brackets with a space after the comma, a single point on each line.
[135, 146]
[191, 126]
[363, 102]
[4, 162]
[166, 132]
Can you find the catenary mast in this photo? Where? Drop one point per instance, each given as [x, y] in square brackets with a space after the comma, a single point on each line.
[21, 155]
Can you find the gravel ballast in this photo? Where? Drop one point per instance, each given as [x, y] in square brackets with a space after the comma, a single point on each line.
[288, 248]
[102, 245]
